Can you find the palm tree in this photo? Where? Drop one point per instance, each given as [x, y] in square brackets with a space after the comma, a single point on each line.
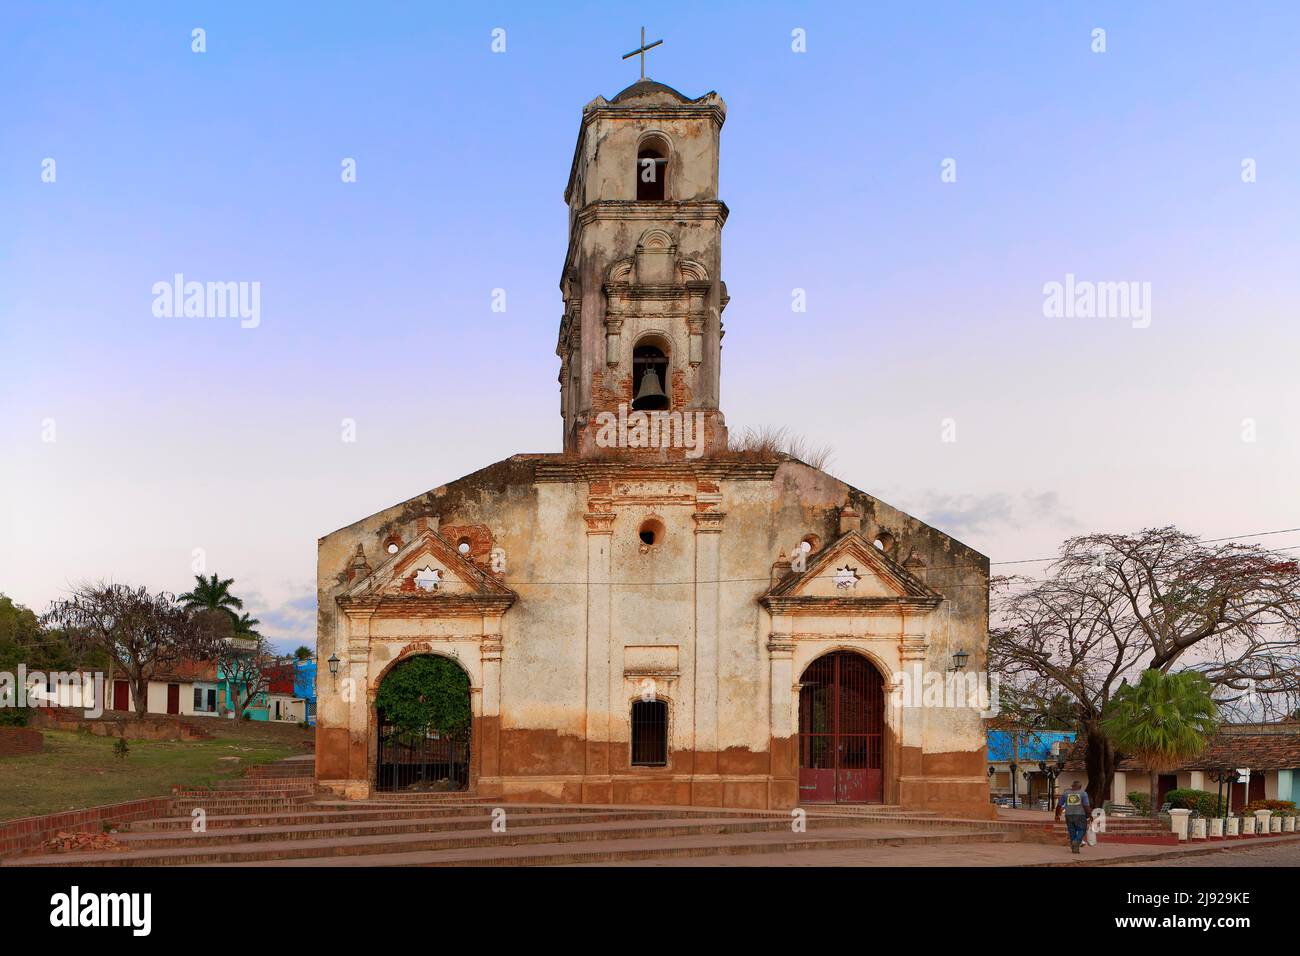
[211, 594]
[1162, 721]
[246, 626]
[303, 653]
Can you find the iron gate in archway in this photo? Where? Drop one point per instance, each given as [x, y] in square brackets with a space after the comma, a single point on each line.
[427, 761]
[841, 731]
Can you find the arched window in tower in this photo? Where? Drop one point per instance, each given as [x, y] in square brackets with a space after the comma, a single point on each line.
[649, 378]
[651, 173]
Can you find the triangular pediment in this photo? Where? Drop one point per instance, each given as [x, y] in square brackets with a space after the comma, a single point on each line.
[849, 572]
[427, 566]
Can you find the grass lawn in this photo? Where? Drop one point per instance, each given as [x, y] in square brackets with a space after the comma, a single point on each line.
[79, 770]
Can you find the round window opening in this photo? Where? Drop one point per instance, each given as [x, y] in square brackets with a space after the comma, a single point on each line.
[651, 532]
[392, 547]
[885, 542]
[463, 546]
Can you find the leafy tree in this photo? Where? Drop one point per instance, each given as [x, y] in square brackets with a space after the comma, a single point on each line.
[1115, 605]
[427, 694]
[246, 626]
[303, 653]
[1162, 720]
[211, 593]
[145, 635]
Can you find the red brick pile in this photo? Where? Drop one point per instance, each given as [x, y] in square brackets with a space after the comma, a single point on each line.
[80, 842]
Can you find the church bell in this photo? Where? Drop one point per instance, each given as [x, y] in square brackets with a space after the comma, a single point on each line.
[650, 395]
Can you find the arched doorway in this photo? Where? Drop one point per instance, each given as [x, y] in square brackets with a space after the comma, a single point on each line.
[424, 720]
[841, 731]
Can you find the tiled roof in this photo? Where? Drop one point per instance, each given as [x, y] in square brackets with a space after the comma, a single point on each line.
[1258, 751]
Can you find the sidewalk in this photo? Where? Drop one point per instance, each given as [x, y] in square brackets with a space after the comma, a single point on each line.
[987, 854]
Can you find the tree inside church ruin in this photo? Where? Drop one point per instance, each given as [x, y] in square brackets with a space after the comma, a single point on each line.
[426, 695]
[1115, 605]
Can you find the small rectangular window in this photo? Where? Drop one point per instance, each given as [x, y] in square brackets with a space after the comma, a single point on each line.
[649, 733]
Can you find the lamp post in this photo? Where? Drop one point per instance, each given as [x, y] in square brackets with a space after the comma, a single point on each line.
[958, 661]
[334, 667]
[1224, 775]
[1053, 770]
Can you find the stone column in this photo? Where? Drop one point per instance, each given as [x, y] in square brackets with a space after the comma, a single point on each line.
[706, 786]
[1119, 788]
[597, 786]
[783, 751]
[490, 720]
[1261, 820]
[362, 736]
[903, 761]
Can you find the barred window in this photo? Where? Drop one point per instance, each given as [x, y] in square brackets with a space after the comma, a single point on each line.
[649, 733]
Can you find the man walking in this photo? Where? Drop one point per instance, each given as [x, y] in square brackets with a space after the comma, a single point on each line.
[1074, 803]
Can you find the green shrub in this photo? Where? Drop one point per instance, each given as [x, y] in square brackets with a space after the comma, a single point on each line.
[13, 717]
[121, 748]
[1202, 802]
[1141, 801]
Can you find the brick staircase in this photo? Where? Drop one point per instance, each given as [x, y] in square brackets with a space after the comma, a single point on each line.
[1137, 830]
[275, 817]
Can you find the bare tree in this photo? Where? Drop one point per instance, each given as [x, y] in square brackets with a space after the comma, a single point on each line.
[247, 663]
[1115, 605]
[144, 635]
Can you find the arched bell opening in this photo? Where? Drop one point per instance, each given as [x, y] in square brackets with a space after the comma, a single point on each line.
[649, 377]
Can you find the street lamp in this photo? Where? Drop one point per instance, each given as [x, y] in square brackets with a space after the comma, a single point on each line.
[334, 666]
[1222, 775]
[1053, 770]
[958, 661]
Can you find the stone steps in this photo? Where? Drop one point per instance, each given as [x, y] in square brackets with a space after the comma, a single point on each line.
[291, 817]
[633, 850]
[463, 835]
[1145, 831]
[335, 830]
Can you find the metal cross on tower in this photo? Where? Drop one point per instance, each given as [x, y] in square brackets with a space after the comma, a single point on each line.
[641, 50]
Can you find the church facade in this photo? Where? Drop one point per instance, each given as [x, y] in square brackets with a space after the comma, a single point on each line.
[651, 616]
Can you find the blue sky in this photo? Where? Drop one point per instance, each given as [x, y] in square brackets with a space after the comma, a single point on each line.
[925, 298]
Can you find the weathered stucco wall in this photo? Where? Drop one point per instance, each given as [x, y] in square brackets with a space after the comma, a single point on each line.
[599, 613]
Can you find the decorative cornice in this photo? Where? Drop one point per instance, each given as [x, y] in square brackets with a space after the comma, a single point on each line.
[426, 605]
[608, 469]
[600, 522]
[848, 607]
[709, 522]
[647, 211]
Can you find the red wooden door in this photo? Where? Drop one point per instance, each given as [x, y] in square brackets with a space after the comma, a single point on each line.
[173, 698]
[1164, 783]
[841, 724]
[1239, 796]
[121, 695]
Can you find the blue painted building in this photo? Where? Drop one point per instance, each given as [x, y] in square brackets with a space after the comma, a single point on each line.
[304, 686]
[1026, 749]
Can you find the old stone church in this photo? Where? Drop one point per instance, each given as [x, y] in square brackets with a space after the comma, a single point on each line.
[650, 616]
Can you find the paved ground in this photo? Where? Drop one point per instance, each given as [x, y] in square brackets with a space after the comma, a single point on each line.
[1286, 854]
[1005, 854]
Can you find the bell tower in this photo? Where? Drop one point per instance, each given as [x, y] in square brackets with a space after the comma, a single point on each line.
[641, 337]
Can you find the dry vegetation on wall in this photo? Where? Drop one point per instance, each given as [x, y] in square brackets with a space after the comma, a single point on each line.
[771, 443]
